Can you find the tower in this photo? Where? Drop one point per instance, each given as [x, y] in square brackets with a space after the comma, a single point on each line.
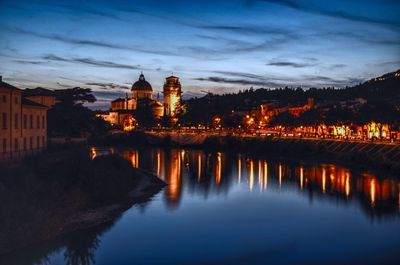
[141, 91]
[172, 95]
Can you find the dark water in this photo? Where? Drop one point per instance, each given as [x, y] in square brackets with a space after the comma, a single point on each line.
[222, 208]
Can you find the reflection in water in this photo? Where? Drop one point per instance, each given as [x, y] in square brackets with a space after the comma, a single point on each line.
[239, 169]
[133, 157]
[192, 172]
[218, 169]
[199, 165]
[251, 179]
[265, 175]
[301, 177]
[323, 179]
[214, 173]
[173, 176]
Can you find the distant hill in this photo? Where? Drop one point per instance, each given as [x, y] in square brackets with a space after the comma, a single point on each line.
[382, 94]
[386, 86]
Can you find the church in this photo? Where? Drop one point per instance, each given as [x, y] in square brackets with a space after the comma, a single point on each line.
[123, 111]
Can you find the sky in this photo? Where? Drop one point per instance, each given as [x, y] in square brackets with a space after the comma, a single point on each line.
[220, 46]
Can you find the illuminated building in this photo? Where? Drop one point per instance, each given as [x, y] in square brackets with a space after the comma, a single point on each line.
[172, 96]
[122, 111]
[23, 121]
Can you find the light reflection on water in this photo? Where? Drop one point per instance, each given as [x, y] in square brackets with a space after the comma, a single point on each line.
[228, 208]
[219, 171]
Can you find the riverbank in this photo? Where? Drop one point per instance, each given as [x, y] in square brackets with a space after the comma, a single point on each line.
[58, 192]
[377, 155]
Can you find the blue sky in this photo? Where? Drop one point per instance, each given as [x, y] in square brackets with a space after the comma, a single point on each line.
[221, 46]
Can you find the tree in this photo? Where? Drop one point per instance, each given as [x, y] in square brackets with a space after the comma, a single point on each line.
[285, 119]
[69, 116]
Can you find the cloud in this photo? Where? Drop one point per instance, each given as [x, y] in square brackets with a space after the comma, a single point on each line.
[250, 82]
[247, 29]
[290, 64]
[329, 81]
[90, 61]
[29, 62]
[248, 79]
[320, 10]
[241, 74]
[93, 43]
[106, 85]
[338, 66]
[389, 63]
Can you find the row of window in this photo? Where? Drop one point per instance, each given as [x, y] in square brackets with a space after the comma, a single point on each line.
[16, 99]
[39, 121]
[40, 142]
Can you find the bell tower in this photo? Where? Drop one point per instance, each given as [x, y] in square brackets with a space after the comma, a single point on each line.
[172, 96]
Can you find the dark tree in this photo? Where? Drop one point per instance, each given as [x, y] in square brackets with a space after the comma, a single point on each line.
[69, 116]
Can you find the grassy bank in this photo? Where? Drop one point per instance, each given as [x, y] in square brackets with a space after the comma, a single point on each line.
[64, 190]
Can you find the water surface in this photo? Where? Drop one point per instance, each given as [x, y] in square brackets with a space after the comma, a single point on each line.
[228, 208]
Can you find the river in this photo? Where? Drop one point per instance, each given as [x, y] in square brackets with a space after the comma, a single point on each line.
[229, 208]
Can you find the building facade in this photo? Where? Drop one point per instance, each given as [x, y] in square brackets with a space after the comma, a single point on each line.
[23, 123]
[123, 110]
[172, 95]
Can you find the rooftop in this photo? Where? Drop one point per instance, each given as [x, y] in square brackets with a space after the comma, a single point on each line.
[27, 102]
[39, 91]
[6, 85]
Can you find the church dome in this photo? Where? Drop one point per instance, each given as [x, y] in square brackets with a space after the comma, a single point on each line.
[142, 84]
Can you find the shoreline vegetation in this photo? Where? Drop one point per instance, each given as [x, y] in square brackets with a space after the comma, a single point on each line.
[61, 191]
[369, 155]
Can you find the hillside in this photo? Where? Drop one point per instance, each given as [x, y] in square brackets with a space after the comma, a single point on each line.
[382, 94]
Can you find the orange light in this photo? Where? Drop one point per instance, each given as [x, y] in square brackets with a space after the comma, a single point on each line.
[347, 184]
[251, 177]
[301, 177]
[372, 192]
[265, 175]
[218, 169]
[239, 169]
[198, 168]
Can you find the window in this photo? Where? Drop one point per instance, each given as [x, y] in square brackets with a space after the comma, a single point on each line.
[37, 142]
[43, 122]
[30, 143]
[16, 100]
[16, 145]
[4, 99]
[16, 121]
[4, 120]
[25, 144]
[4, 145]
[31, 121]
[25, 121]
[43, 141]
[37, 122]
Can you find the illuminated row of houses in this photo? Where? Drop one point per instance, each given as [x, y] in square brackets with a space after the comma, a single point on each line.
[122, 110]
[368, 131]
[23, 119]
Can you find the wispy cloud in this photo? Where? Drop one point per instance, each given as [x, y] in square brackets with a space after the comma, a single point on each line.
[248, 29]
[322, 10]
[329, 81]
[85, 42]
[29, 62]
[90, 61]
[290, 64]
[394, 63]
[106, 85]
[247, 82]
